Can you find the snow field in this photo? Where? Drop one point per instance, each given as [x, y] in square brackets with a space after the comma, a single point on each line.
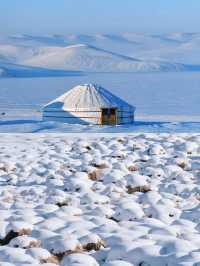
[118, 200]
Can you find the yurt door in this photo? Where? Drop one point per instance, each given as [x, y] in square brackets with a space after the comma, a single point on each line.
[109, 116]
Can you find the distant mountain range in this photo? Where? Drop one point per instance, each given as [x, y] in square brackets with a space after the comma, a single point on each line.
[92, 59]
[58, 55]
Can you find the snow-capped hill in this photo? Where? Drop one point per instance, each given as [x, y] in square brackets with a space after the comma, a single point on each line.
[50, 40]
[98, 39]
[2, 72]
[15, 70]
[122, 39]
[92, 47]
[81, 38]
[9, 53]
[63, 40]
[177, 37]
[13, 53]
[88, 58]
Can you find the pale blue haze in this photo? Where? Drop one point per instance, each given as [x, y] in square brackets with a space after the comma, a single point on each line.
[89, 16]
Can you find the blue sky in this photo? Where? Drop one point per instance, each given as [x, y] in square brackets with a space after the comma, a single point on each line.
[89, 16]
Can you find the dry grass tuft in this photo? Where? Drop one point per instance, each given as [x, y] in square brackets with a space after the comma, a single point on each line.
[11, 235]
[59, 256]
[61, 204]
[183, 165]
[94, 246]
[100, 166]
[121, 140]
[35, 244]
[132, 168]
[24, 231]
[94, 174]
[52, 259]
[143, 189]
[6, 240]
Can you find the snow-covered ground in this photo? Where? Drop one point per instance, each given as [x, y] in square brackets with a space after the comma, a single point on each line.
[123, 200]
[24, 125]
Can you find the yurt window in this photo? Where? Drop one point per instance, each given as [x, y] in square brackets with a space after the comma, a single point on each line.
[109, 116]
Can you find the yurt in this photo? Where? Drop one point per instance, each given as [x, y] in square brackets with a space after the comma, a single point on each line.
[89, 104]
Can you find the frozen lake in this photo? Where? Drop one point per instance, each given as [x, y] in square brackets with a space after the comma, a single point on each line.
[154, 94]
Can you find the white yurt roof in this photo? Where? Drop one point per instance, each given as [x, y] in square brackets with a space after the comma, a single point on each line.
[87, 97]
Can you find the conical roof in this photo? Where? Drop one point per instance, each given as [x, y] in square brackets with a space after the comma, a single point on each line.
[88, 97]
